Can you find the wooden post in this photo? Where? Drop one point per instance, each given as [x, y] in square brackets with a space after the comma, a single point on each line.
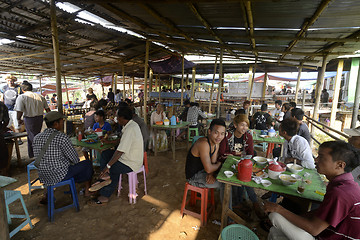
[212, 85]
[182, 81]
[264, 87]
[192, 98]
[159, 81]
[219, 84]
[57, 64]
[115, 82]
[151, 80]
[249, 80]
[303, 100]
[67, 93]
[40, 85]
[320, 86]
[147, 46]
[298, 83]
[336, 92]
[253, 79]
[102, 86]
[112, 82]
[123, 75]
[172, 83]
[133, 88]
[187, 80]
[356, 102]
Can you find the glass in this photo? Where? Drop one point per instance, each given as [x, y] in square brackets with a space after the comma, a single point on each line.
[301, 186]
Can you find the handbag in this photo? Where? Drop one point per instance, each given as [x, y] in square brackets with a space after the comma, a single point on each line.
[43, 150]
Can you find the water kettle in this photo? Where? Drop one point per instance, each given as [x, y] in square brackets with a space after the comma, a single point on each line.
[245, 170]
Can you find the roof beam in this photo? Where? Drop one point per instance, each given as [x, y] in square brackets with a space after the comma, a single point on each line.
[305, 26]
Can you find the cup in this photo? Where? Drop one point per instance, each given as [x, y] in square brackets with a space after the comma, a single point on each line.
[301, 186]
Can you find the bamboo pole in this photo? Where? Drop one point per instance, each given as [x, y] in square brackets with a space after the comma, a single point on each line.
[212, 84]
[320, 86]
[115, 82]
[249, 80]
[156, 84]
[192, 98]
[182, 81]
[151, 80]
[67, 93]
[356, 102]
[172, 83]
[264, 86]
[336, 92]
[303, 100]
[298, 83]
[57, 64]
[187, 80]
[112, 82]
[40, 85]
[159, 81]
[253, 78]
[147, 46]
[219, 84]
[123, 75]
[133, 88]
[102, 86]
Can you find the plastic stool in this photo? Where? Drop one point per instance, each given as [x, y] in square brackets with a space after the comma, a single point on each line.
[146, 163]
[196, 132]
[269, 149]
[30, 167]
[51, 199]
[204, 193]
[195, 138]
[10, 197]
[133, 182]
[237, 231]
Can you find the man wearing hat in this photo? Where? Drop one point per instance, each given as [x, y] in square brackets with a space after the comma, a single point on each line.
[30, 105]
[10, 93]
[60, 161]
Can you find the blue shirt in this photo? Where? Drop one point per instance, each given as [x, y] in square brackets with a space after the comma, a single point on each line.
[106, 126]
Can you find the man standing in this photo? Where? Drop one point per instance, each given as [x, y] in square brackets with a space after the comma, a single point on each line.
[277, 113]
[262, 119]
[193, 115]
[60, 161]
[128, 156]
[11, 91]
[31, 106]
[201, 160]
[303, 131]
[111, 95]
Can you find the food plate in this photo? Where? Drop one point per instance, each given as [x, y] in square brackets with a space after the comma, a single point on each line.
[263, 136]
[228, 174]
[266, 183]
[264, 175]
[89, 141]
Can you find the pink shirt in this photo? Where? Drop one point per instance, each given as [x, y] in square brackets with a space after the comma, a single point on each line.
[341, 209]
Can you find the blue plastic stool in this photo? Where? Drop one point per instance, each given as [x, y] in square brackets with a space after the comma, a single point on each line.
[195, 138]
[51, 199]
[10, 197]
[237, 231]
[30, 167]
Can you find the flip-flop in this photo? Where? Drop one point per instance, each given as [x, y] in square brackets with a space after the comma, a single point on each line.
[102, 183]
[96, 202]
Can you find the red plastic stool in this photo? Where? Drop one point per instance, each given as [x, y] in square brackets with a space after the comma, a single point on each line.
[146, 163]
[269, 149]
[205, 201]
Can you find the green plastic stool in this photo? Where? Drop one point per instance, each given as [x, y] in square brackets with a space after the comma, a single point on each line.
[195, 138]
[196, 133]
[237, 231]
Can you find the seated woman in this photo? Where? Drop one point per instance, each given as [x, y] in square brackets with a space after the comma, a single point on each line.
[240, 142]
[158, 116]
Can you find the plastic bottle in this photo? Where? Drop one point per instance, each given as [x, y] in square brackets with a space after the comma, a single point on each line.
[80, 136]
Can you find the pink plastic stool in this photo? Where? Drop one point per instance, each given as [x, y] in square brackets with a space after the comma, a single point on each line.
[133, 182]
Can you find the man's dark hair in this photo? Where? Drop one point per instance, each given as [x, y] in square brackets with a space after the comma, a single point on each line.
[188, 87]
[298, 113]
[94, 104]
[279, 102]
[343, 151]
[264, 107]
[102, 103]
[54, 95]
[123, 104]
[293, 104]
[110, 89]
[218, 122]
[286, 106]
[246, 102]
[187, 102]
[128, 101]
[240, 111]
[125, 112]
[192, 104]
[290, 126]
[100, 113]
[51, 124]
[26, 86]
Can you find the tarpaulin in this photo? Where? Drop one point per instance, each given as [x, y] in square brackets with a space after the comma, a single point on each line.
[170, 64]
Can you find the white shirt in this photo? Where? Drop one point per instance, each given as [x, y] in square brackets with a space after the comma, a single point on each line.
[155, 117]
[31, 104]
[299, 148]
[132, 146]
[278, 114]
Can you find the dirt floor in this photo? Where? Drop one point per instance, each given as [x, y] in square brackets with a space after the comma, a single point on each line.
[154, 216]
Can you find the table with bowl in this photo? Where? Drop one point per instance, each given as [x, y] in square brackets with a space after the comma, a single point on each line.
[285, 183]
[263, 136]
[172, 129]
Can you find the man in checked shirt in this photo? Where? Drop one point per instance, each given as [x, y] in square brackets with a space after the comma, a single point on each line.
[60, 161]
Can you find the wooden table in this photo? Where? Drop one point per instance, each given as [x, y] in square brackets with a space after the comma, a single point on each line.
[15, 137]
[173, 129]
[271, 141]
[276, 186]
[4, 228]
[98, 146]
